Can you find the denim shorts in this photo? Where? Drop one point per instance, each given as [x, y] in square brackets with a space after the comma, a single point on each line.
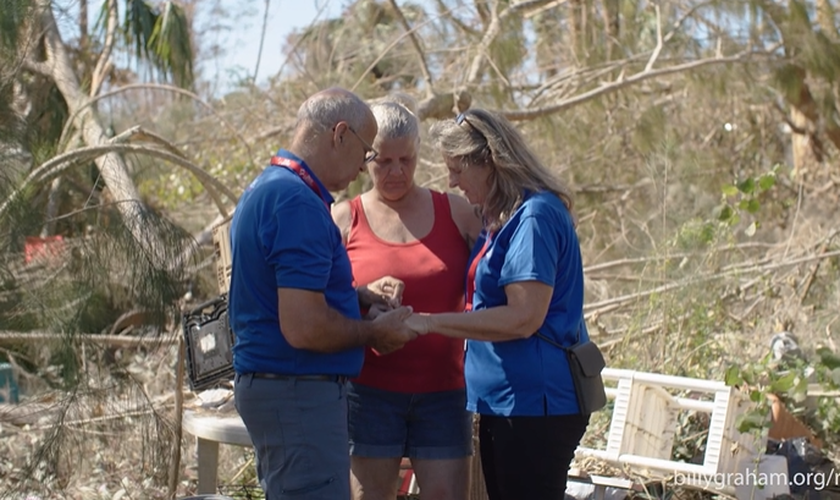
[426, 426]
[299, 432]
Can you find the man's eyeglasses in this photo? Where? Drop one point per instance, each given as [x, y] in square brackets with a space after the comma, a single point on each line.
[370, 153]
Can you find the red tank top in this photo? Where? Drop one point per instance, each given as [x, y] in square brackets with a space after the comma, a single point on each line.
[433, 270]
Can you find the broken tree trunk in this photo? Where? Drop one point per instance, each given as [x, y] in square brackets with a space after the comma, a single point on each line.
[112, 167]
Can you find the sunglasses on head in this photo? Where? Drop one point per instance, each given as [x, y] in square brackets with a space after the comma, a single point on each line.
[462, 118]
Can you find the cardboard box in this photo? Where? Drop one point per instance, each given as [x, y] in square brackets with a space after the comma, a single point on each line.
[221, 250]
[787, 426]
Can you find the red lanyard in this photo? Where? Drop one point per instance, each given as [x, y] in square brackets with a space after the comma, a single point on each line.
[468, 302]
[280, 161]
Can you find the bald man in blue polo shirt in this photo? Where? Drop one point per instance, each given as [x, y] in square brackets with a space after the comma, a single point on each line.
[293, 308]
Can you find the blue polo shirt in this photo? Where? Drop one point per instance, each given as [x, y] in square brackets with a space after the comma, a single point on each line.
[282, 236]
[528, 377]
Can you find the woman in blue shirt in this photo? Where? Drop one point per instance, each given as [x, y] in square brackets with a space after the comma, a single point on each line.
[526, 277]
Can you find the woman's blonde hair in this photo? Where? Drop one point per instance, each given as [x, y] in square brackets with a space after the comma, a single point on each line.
[479, 138]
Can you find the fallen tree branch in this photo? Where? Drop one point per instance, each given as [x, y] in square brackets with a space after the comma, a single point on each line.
[610, 304]
[528, 114]
[156, 86]
[92, 338]
[103, 418]
[62, 162]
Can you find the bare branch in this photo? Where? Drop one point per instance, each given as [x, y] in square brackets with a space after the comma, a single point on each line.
[626, 82]
[612, 303]
[539, 10]
[93, 338]
[442, 7]
[388, 49]
[273, 131]
[103, 64]
[62, 162]
[262, 40]
[490, 33]
[493, 29]
[157, 86]
[444, 105]
[416, 44]
[38, 67]
[659, 42]
[682, 19]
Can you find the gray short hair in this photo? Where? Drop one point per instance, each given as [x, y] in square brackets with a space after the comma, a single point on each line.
[322, 111]
[396, 117]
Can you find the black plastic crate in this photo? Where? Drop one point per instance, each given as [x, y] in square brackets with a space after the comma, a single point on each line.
[209, 342]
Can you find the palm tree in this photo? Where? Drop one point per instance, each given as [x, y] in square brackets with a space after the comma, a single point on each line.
[50, 121]
[46, 64]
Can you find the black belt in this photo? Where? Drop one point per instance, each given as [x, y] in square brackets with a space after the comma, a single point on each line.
[306, 378]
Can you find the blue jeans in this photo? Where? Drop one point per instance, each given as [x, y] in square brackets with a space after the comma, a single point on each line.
[426, 426]
[299, 432]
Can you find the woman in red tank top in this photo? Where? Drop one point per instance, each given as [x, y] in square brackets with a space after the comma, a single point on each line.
[410, 403]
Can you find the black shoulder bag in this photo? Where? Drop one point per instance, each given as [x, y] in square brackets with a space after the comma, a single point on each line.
[586, 363]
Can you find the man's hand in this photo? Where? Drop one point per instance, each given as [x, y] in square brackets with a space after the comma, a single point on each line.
[377, 310]
[386, 290]
[420, 323]
[391, 333]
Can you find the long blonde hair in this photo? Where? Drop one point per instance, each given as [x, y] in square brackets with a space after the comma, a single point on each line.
[481, 139]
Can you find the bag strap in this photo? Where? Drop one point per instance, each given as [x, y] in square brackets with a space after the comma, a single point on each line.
[557, 345]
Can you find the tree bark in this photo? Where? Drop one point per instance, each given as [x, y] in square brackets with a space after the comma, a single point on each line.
[804, 159]
[578, 11]
[112, 167]
[612, 23]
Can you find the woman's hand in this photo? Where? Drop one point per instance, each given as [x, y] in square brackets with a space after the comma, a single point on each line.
[420, 323]
[386, 291]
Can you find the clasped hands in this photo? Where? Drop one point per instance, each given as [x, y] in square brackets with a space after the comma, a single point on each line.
[395, 324]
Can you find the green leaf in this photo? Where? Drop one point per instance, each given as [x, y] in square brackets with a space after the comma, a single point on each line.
[707, 233]
[732, 377]
[756, 396]
[749, 421]
[729, 190]
[747, 186]
[799, 393]
[835, 376]
[753, 206]
[749, 377]
[828, 358]
[767, 181]
[783, 384]
[725, 213]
